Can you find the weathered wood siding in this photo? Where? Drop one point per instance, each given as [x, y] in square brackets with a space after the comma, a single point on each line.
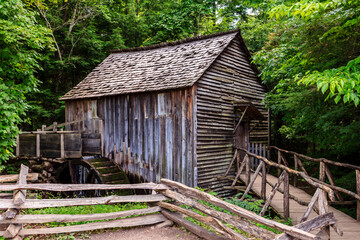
[230, 78]
[157, 127]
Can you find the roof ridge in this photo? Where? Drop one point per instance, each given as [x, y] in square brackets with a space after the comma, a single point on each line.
[174, 43]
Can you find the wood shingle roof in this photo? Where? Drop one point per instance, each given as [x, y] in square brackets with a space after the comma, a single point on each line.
[160, 67]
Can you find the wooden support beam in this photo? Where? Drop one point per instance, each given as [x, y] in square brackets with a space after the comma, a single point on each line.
[286, 200]
[311, 205]
[38, 143]
[242, 116]
[241, 168]
[62, 145]
[231, 163]
[332, 182]
[249, 186]
[17, 151]
[272, 194]
[263, 182]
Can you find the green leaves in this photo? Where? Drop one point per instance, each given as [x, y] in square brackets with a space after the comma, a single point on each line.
[21, 41]
[339, 83]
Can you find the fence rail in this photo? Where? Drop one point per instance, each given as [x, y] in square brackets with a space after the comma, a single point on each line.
[170, 202]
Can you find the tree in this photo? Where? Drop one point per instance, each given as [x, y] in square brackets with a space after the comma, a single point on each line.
[22, 42]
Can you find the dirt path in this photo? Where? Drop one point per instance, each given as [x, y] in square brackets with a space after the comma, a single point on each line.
[145, 233]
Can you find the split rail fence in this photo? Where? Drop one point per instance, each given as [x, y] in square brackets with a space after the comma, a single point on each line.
[170, 202]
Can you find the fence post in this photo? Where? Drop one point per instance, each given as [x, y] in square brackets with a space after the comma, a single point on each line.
[54, 126]
[279, 162]
[286, 196]
[358, 192]
[38, 143]
[62, 145]
[247, 171]
[263, 182]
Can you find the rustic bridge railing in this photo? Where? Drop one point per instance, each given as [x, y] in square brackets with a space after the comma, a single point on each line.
[324, 189]
[170, 196]
[54, 142]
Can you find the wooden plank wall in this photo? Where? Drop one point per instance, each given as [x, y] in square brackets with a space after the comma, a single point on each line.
[230, 77]
[157, 127]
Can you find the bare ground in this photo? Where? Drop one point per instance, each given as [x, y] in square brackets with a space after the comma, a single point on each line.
[145, 233]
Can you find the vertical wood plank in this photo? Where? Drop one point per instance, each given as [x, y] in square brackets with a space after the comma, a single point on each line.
[296, 168]
[263, 182]
[62, 144]
[279, 162]
[286, 196]
[38, 143]
[247, 171]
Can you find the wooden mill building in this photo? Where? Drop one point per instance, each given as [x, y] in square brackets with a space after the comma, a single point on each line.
[175, 106]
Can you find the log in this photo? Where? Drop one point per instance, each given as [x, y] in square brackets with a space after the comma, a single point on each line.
[252, 180]
[319, 159]
[9, 214]
[240, 170]
[236, 221]
[12, 230]
[20, 195]
[46, 218]
[263, 182]
[127, 222]
[286, 196]
[197, 194]
[332, 182]
[212, 222]
[272, 193]
[204, 219]
[79, 187]
[311, 206]
[14, 177]
[192, 227]
[45, 203]
[317, 222]
[231, 163]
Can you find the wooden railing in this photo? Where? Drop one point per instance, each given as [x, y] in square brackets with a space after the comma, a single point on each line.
[323, 190]
[182, 200]
[56, 143]
[324, 173]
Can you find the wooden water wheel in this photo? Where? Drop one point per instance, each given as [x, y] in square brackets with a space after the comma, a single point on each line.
[95, 171]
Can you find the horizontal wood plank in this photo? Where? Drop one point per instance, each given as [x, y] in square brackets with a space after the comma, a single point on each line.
[45, 203]
[46, 218]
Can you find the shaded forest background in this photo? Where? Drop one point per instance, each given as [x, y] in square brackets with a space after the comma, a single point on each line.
[307, 51]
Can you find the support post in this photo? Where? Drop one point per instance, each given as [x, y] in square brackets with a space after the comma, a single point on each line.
[279, 162]
[263, 182]
[38, 143]
[54, 126]
[62, 145]
[296, 168]
[247, 171]
[286, 196]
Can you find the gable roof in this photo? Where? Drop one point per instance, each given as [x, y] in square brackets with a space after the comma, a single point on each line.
[158, 67]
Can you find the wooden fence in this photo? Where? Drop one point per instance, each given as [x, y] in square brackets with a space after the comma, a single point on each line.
[170, 202]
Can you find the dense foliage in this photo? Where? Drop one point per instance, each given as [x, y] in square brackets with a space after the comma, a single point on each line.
[22, 42]
[308, 53]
